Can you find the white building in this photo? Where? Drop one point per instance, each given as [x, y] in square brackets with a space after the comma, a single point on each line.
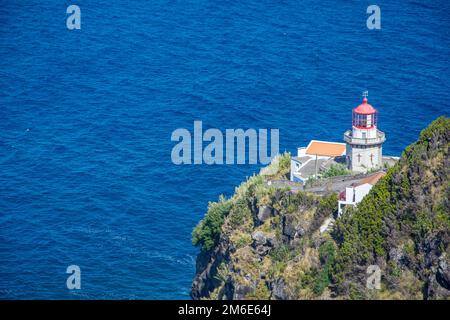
[362, 151]
[309, 159]
[364, 141]
[355, 193]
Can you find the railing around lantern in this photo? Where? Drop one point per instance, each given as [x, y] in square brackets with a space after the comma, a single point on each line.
[348, 137]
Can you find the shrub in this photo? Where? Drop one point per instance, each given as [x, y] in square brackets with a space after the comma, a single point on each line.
[284, 166]
[206, 234]
[277, 269]
[327, 253]
[243, 240]
[335, 170]
[282, 253]
[221, 273]
[279, 168]
[261, 293]
[327, 206]
[239, 214]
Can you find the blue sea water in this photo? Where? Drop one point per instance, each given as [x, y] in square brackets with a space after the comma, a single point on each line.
[86, 117]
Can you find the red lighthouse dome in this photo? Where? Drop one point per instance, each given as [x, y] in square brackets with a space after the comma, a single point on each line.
[364, 116]
[365, 108]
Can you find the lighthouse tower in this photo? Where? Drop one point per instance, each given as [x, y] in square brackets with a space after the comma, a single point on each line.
[364, 142]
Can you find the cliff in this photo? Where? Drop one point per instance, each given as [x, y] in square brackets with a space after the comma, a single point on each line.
[265, 243]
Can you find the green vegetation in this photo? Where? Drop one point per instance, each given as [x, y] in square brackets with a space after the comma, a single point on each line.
[222, 273]
[279, 168]
[243, 240]
[402, 225]
[285, 165]
[327, 206]
[362, 229]
[261, 293]
[311, 181]
[206, 234]
[327, 253]
[277, 269]
[282, 253]
[392, 206]
[334, 170]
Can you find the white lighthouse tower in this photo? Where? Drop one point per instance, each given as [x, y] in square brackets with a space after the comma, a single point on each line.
[364, 142]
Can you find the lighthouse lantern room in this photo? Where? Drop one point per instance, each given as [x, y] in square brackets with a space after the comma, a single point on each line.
[364, 142]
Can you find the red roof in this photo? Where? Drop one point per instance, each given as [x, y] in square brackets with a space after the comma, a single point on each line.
[365, 108]
[372, 179]
[325, 148]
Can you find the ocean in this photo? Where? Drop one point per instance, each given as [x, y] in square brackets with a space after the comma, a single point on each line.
[86, 118]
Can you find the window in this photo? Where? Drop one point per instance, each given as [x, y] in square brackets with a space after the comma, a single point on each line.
[363, 121]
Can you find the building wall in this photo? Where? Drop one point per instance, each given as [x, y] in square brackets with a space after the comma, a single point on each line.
[353, 193]
[361, 191]
[364, 163]
[365, 133]
[349, 194]
[294, 168]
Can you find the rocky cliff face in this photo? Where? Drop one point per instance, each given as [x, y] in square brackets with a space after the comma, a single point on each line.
[266, 243]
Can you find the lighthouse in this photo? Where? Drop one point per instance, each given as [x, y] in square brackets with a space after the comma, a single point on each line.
[364, 141]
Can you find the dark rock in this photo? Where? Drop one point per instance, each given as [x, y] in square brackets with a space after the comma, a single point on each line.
[253, 206]
[288, 230]
[206, 269]
[395, 255]
[278, 288]
[443, 273]
[271, 241]
[299, 232]
[264, 213]
[241, 291]
[262, 250]
[262, 243]
[291, 230]
[259, 239]
[227, 293]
